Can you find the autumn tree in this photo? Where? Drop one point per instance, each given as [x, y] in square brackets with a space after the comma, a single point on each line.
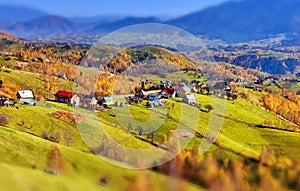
[104, 86]
[55, 160]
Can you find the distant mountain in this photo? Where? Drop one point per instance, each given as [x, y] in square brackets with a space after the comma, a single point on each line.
[13, 13]
[244, 19]
[44, 25]
[112, 26]
[95, 19]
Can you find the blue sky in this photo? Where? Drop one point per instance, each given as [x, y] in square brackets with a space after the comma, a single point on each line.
[70, 8]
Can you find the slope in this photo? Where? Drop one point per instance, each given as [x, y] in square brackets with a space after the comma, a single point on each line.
[25, 156]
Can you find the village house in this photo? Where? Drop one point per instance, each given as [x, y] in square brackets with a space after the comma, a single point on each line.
[141, 94]
[180, 89]
[274, 77]
[153, 97]
[88, 100]
[4, 100]
[155, 103]
[75, 100]
[63, 96]
[105, 101]
[109, 100]
[165, 84]
[184, 90]
[26, 96]
[189, 99]
[168, 93]
[67, 97]
[62, 75]
[194, 90]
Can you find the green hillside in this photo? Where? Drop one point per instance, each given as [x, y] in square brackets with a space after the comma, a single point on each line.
[24, 157]
[52, 143]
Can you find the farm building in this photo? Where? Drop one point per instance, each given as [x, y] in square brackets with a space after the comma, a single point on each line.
[62, 75]
[180, 89]
[189, 99]
[25, 95]
[67, 97]
[141, 94]
[184, 90]
[153, 97]
[63, 96]
[106, 101]
[4, 100]
[75, 100]
[88, 100]
[168, 93]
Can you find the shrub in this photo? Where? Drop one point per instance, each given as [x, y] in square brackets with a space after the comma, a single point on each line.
[4, 119]
[68, 116]
[55, 136]
[209, 107]
[45, 134]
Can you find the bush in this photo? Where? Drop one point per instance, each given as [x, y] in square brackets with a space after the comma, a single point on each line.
[209, 107]
[7, 71]
[55, 136]
[45, 134]
[4, 119]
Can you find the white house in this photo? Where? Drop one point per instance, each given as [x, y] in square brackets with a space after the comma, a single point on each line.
[189, 99]
[75, 100]
[26, 96]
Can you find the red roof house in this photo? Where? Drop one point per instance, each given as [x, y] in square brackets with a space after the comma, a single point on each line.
[63, 96]
[168, 93]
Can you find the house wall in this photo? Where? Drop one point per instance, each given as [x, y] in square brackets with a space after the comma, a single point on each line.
[75, 100]
[24, 99]
[62, 100]
[189, 101]
[182, 93]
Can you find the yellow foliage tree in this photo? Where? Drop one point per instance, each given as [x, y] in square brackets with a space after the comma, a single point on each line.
[104, 85]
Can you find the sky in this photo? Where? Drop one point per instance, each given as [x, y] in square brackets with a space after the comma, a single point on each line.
[88, 8]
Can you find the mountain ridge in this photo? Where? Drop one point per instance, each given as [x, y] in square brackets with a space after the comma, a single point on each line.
[45, 25]
[253, 19]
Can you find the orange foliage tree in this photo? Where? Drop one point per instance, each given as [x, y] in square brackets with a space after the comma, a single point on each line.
[287, 106]
[104, 85]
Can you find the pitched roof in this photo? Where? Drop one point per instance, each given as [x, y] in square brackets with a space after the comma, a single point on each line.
[186, 89]
[178, 85]
[88, 97]
[64, 94]
[25, 94]
[170, 91]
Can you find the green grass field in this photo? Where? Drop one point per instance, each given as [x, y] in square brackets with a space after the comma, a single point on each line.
[24, 153]
[24, 158]
[238, 133]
